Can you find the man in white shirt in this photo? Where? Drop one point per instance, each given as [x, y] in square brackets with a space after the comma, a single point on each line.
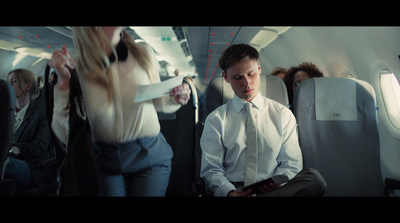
[224, 140]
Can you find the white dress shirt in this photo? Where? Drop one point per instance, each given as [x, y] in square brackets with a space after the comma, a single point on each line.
[19, 116]
[223, 143]
[121, 120]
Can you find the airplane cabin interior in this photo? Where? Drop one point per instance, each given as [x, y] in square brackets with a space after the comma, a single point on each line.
[357, 151]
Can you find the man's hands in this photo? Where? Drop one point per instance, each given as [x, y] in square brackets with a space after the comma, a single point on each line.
[237, 193]
[261, 190]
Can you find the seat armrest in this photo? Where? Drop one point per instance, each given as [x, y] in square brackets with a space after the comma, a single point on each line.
[199, 184]
[391, 185]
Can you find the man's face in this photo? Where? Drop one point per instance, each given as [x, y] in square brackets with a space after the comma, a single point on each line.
[244, 78]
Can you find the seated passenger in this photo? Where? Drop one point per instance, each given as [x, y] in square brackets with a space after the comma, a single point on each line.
[297, 74]
[225, 144]
[279, 72]
[32, 140]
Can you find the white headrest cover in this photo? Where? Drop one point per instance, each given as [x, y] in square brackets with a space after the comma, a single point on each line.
[335, 99]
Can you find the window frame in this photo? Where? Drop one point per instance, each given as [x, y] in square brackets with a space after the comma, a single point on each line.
[390, 100]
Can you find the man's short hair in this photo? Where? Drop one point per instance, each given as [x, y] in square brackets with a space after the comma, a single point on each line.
[236, 53]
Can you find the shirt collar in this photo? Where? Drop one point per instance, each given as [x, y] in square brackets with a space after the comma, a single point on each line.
[21, 113]
[238, 103]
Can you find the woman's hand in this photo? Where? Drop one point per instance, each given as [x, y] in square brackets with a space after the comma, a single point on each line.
[61, 63]
[181, 93]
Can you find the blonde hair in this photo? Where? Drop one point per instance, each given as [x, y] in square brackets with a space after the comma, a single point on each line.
[92, 61]
[25, 76]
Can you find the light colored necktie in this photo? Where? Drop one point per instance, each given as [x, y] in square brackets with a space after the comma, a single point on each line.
[252, 146]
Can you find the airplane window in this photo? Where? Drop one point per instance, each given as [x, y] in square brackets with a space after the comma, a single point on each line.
[391, 96]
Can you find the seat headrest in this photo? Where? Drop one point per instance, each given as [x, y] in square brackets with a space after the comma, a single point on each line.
[335, 99]
[218, 91]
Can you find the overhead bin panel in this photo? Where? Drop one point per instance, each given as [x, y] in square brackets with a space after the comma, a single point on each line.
[209, 42]
[168, 47]
[45, 38]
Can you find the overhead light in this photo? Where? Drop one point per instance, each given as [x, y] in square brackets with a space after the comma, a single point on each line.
[139, 41]
[160, 58]
[18, 59]
[37, 61]
[33, 52]
[189, 58]
[266, 35]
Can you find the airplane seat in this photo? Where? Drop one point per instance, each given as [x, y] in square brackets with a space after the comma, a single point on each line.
[7, 112]
[52, 161]
[217, 93]
[338, 134]
[179, 131]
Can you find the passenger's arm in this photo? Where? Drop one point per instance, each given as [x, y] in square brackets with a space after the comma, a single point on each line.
[166, 104]
[34, 143]
[61, 63]
[290, 161]
[181, 94]
[212, 158]
[177, 97]
[60, 122]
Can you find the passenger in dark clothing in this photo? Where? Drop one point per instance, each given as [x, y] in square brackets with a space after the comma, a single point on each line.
[28, 164]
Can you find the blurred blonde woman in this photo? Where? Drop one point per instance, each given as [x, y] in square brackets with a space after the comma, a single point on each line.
[134, 158]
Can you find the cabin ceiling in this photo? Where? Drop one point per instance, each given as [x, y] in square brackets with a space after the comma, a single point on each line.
[34, 39]
[209, 42]
[194, 50]
[38, 41]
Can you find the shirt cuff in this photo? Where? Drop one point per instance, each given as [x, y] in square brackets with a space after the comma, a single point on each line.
[224, 189]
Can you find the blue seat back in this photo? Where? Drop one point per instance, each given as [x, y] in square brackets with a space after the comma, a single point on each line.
[338, 134]
[7, 113]
[218, 92]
